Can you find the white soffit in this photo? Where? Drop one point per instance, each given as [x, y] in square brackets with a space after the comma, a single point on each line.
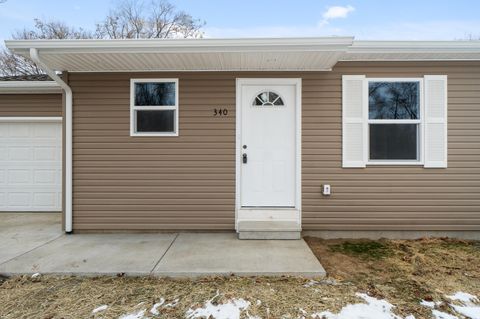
[29, 87]
[257, 54]
[281, 54]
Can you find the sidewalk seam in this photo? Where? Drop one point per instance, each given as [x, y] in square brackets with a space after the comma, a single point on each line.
[29, 251]
[163, 255]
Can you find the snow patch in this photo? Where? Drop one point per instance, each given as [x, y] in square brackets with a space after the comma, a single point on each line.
[171, 304]
[437, 314]
[429, 304]
[463, 297]
[372, 309]
[101, 308]
[154, 310]
[137, 315]
[310, 283]
[470, 307]
[232, 309]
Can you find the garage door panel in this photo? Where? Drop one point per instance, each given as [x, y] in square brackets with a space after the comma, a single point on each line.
[20, 153]
[20, 200]
[45, 176]
[45, 153]
[30, 166]
[46, 131]
[20, 176]
[48, 200]
[18, 130]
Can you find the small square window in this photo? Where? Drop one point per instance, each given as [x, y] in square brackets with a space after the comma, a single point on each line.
[154, 107]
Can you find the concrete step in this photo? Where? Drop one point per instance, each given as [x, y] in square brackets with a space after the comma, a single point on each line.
[268, 229]
[281, 235]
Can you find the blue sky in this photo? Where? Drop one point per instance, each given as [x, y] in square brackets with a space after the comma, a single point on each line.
[364, 19]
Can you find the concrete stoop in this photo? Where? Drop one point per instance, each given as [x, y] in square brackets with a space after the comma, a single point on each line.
[261, 229]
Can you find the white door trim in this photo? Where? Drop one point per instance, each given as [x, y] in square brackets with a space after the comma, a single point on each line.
[297, 82]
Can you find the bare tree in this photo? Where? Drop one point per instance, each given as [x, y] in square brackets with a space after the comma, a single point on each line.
[153, 19]
[12, 64]
[470, 37]
[51, 30]
[130, 19]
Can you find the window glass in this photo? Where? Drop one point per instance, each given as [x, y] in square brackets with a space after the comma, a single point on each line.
[268, 98]
[156, 93]
[393, 141]
[394, 100]
[155, 121]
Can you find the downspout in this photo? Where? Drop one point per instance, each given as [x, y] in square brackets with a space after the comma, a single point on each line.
[68, 135]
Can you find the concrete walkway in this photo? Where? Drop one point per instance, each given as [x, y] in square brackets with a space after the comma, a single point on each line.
[31, 243]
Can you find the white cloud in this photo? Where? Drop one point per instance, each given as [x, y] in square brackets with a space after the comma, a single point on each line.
[336, 12]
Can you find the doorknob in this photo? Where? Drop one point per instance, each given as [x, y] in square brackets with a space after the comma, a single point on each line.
[244, 158]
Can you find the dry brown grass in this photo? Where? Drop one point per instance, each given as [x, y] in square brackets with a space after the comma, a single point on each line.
[403, 272]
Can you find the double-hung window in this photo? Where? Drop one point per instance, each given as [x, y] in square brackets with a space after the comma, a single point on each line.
[395, 115]
[154, 107]
[394, 121]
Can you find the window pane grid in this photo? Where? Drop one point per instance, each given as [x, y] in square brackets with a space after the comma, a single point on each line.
[154, 108]
[394, 121]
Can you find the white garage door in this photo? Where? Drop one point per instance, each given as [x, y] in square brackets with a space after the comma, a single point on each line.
[30, 166]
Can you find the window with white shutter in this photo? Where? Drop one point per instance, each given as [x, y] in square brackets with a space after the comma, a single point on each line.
[394, 121]
[435, 121]
[353, 122]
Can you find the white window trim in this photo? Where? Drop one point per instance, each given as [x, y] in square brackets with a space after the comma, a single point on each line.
[134, 108]
[420, 122]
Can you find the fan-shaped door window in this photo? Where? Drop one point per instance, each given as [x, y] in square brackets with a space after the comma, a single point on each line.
[268, 98]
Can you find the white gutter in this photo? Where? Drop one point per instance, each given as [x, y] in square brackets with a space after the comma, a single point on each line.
[68, 135]
[415, 47]
[183, 45]
[29, 87]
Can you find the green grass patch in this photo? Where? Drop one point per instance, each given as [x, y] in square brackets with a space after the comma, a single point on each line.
[363, 249]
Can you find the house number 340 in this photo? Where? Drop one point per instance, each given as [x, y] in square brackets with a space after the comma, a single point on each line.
[220, 112]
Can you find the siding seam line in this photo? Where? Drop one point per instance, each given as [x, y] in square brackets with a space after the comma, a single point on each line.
[163, 255]
[34, 248]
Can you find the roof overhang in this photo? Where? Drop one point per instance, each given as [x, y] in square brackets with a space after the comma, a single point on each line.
[29, 87]
[413, 51]
[257, 54]
[280, 54]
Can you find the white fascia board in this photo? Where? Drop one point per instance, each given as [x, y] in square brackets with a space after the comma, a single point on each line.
[29, 87]
[182, 45]
[415, 47]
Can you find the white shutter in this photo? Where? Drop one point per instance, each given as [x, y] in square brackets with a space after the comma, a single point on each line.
[354, 121]
[435, 121]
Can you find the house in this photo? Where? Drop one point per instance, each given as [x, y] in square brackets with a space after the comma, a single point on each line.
[268, 137]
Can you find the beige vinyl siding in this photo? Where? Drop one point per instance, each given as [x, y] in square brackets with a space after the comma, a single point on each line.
[188, 182]
[30, 105]
[124, 182]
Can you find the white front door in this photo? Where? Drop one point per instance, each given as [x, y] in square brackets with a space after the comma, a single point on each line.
[267, 142]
